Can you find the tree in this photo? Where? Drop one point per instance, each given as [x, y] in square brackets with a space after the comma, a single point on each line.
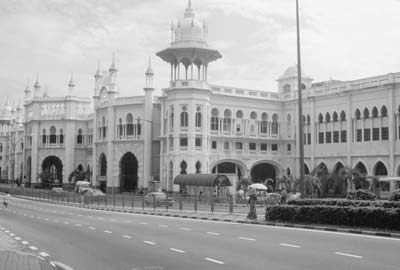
[45, 176]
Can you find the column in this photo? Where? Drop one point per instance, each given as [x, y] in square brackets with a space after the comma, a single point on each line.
[191, 71]
[349, 131]
[391, 109]
[172, 71]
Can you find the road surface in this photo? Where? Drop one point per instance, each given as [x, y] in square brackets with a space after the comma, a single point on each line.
[90, 239]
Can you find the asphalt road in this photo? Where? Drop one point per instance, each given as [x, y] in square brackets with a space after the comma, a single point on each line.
[94, 240]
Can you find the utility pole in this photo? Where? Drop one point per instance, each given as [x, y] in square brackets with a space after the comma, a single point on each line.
[300, 104]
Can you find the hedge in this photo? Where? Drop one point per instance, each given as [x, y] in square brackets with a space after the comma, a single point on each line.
[344, 203]
[361, 194]
[395, 197]
[373, 217]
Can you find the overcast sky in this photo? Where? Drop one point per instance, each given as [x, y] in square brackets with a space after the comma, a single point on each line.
[341, 39]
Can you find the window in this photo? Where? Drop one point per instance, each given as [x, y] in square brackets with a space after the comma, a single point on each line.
[238, 127]
[214, 119]
[226, 145]
[239, 114]
[79, 137]
[274, 147]
[183, 142]
[171, 143]
[374, 112]
[327, 117]
[367, 134]
[227, 120]
[359, 135]
[253, 115]
[264, 118]
[335, 117]
[308, 138]
[61, 137]
[198, 142]
[304, 138]
[384, 111]
[321, 138]
[286, 89]
[214, 145]
[343, 136]
[342, 116]
[171, 118]
[1, 147]
[274, 126]
[320, 118]
[289, 147]
[238, 146]
[44, 136]
[120, 129]
[263, 147]
[358, 114]
[252, 146]
[129, 125]
[385, 133]
[328, 137]
[375, 134]
[198, 117]
[184, 117]
[366, 113]
[53, 136]
[335, 136]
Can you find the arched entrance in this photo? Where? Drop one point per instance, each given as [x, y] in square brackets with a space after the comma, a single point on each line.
[128, 172]
[52, 170]
[263, 171]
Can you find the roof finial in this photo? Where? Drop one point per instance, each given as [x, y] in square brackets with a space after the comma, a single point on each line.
[149, 71]
[112, 68]
[71, 81]
[37, 85]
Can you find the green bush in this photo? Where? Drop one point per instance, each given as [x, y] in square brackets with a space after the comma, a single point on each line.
[345, 202]
[395, 196]
[361, 194]
[374, 217]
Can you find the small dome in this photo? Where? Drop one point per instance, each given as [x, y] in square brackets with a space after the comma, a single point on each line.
[191, 29]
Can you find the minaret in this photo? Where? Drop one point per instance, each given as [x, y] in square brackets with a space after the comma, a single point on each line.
[28, 92]
[36, 92]
[19, 112]
[147, 122]
[71, 85]
[113, 75]
[97, 80]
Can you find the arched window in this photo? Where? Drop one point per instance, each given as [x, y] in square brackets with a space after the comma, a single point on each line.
[274, 126]
[304, 119]
[198, 167]
[183, 167]
[375, 112]
[342, 116]
[380, 169]
[184, 117]
[286, 89]
[289, 118]
[227, 120]
[120, 128]
[357, 114]
[361, 168]
[366, 113]
[198, 117]
[327, 117]
[61, 136]
[253, 115]
[320, 118]
[104, 128]
[214, 119]
[53, 136]
[264, 118]
[103, 165]
[171, 118]
[79, 137]
[384, 111]
[129, 125]
[239, 114]
[44, 136]
[335, 117]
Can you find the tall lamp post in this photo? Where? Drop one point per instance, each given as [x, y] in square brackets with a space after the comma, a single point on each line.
[300, 104]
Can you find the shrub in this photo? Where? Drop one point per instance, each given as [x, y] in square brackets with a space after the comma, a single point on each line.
[395, 196]
[345, 202]
[361, 194]
[375, 217]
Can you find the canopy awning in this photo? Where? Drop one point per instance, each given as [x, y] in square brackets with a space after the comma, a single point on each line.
[210, 180]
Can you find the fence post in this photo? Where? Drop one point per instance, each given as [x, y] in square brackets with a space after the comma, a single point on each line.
[180, 203]
[133, 199]
[123, 201]
[105, 200]
[166, 202]
[212, 203]
[154, 203]
[231, 203]
[114, 200]
[142, 202]
[195, 204]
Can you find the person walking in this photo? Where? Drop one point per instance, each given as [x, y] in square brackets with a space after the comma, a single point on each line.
[252, 215]
[6, 200]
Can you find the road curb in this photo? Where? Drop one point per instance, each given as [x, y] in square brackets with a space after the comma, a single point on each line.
[261, 223]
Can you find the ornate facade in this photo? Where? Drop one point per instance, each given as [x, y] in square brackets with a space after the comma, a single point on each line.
[197, 127]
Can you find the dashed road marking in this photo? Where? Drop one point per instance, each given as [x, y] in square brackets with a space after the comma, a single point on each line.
[289, 245]
[349, 255]
[214, 261]
[25, 242]
[143, 223]
[7, 231]
[213, 233]
[246, 238]
[17, 238]
[92, 228]
[107, 231]
[149, 242]
[164, 226]
[12, 234]
[126, 236]
[78, 225]
[33, 247]
[44, 254]
[46, 219]
[185, 229]
[66, 222]
[177, 250]
[79, 215]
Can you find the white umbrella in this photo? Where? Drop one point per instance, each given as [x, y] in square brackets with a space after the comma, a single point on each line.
[258, 186]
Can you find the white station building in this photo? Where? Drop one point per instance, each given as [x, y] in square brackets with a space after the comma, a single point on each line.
[198, 127]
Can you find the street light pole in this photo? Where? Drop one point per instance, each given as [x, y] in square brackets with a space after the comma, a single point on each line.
[300, 104]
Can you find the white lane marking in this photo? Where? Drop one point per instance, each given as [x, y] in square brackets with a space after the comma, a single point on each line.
[46, 219]
[126, 236]
[25, 242]
[78, 225]
[12, 234]
[289, 245]
[246, 238]
[17, 238]
[177, 250]
[56, 220]
[66, 222]
[44, 254]
[349, 255]
[7, 231]
[143, 223]
[185, 229]
[33, 247]
[164, 226]
[213, 233]
[149, 242]
[107, 231]
[214, 261]
[92, 228]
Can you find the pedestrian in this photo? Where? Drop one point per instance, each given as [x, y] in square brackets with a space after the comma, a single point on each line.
[283, 196]
[252, 215]
[6, 199]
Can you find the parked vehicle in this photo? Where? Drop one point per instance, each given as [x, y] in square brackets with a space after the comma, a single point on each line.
[387, 185]
[158, 198]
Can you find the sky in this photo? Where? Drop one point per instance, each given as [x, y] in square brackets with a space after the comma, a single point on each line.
[341, 39]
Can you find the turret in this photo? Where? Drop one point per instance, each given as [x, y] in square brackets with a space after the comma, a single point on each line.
[28, 92]
[97, 80]
[36, 87]
[113, 75]
[71, 85]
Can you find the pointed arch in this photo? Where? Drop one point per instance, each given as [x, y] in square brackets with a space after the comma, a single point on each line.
[366, 113]
[335, 117]
[357, 114]
[103, 165]
[380, 169]
[339, 165]
[320, 118]
[342, 116]
[375, 112]
[384, 111]
[198, 166]
[129, 124]
[183, 166]
[360, 166]
[327, 117]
